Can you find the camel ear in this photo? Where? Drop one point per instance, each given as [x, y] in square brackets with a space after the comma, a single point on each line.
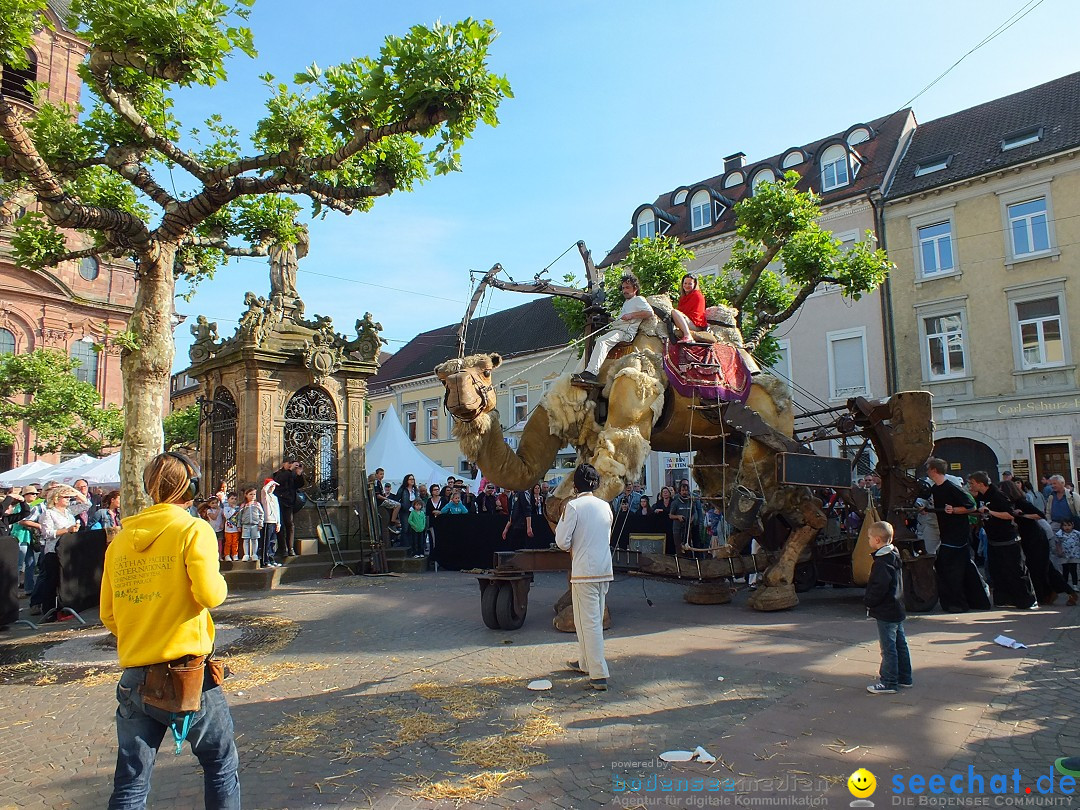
[496, 360]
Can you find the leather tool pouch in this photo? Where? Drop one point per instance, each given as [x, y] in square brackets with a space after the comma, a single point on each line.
[216, 668]
[175, 686]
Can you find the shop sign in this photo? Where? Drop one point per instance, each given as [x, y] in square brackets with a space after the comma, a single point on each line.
[1038, 406]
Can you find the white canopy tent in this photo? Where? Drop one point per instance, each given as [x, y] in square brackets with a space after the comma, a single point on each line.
[391, 449]
[26, 474]
[104, 472]
[69, 471]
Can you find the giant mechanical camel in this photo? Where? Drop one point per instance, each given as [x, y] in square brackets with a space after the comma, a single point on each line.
[736, 436]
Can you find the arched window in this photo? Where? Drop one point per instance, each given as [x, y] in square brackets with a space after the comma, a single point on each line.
[89, 268]
[83, 351]
[700, 211]
[834, 167]
[222, 441]
[7, 341]
[15, 82]
[311, 437]
[645, 226]
[764, 176]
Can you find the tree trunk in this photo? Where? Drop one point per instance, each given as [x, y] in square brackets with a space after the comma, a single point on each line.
[146, 373]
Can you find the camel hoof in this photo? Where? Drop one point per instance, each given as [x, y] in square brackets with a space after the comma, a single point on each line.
[564, 622]
[565, 600]
[774, 597]
[708, 593]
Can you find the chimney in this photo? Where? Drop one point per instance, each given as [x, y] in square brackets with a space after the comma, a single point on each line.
[734, 162]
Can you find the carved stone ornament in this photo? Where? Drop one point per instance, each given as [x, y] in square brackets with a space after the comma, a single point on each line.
[368, 344]
[323, 352]
[55, 337]
[206, 340]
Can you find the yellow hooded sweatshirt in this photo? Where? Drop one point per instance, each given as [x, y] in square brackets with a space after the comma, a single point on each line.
[161, 576]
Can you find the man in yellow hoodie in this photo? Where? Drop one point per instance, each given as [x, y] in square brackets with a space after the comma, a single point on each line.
[161, 578]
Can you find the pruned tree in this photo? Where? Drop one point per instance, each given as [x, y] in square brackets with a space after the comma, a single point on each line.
[181, 427]
[781, 255]
[337, 138]
[39, 390]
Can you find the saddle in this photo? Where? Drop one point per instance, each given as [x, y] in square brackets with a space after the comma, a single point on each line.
[710, 370]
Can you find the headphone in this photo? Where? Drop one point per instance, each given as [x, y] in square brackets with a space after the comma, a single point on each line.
[193, 477]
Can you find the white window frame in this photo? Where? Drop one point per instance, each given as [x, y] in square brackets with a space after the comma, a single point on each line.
[1026, 193]
[515, 392]
[843, 158]
[379, 417]
[1022, 138]
[431, 407]
[646, 221]
[784, 344]
[546, 385]
[846, 334]
[927, 219]
[701, 211]
[409, 415]
[1037, 291]
[957, 305]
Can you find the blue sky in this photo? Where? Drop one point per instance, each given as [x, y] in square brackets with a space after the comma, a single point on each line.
[614, 104]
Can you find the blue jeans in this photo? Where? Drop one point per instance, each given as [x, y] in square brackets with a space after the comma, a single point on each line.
[895, 658]
[27, 563]
[140, 729]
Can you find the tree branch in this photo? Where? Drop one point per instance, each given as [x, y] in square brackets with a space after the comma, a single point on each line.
[224, 246]
[804, 293]
[103, 60]
[346, 194]
[125, 161]
[755, 274]
[59, 206]
[183, 216]
[99, 69]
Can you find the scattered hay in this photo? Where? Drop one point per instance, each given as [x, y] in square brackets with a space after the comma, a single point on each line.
[32, 672]
[97, 677]
[498, 680]
[498, 751]
[483, 785]
[245, 673]
[539, 727]
[301, 733]
[413, 726]
[460, 702]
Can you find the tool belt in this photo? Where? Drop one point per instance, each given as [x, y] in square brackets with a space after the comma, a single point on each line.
[177, 686]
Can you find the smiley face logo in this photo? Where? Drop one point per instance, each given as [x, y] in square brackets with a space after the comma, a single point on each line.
[862, 784]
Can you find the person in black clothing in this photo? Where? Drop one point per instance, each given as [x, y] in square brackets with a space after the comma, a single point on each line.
[522, 516]
[1009, 580]
[884, 600]
[288, 484]
[1045, 578]
[960, 586]
[486, 502]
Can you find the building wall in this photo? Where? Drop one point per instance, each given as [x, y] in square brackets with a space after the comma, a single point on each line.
[528, 374]
[993, 399]
[57, 308]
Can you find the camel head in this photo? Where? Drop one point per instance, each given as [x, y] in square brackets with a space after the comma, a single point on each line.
[469, 392]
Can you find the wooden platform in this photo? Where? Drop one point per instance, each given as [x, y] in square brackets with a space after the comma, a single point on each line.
[249, 576]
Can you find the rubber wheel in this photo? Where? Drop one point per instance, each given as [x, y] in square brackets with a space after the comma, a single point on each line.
[806, 577]
[509, 619]
[487, 605]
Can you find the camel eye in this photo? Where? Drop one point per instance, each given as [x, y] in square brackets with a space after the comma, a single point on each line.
[487, 373]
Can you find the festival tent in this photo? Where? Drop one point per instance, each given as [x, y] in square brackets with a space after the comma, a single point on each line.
[391, 449]
[69, 471]
[26, 474]
[104, 472]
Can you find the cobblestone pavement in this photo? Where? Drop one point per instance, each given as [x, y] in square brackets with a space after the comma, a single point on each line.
[360, 692]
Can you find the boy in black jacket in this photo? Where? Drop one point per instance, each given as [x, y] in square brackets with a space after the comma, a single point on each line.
[884, 600]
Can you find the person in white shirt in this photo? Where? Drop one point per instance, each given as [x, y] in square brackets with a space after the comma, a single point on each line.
[584, 530]
[635, 309]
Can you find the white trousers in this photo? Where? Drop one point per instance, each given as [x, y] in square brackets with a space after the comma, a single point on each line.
[589, 598]
[603, 346]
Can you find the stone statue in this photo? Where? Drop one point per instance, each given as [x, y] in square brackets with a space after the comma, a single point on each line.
[206, 337]
[368, 343]
[283, 264]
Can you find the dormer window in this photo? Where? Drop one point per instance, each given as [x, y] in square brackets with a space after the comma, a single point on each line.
[835, 168]
[646, 225]
[763, 176]
[701, 211]
[680, 197]
[1021, 138]
[932, 164]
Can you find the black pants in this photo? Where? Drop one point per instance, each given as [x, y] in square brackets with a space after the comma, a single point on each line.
[1009, 580]
[1045, 579]
[1068, 572]
[48, 582]
[960, 586]
[287, 536]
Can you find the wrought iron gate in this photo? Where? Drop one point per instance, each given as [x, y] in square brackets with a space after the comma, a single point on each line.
[311, 436]
[222, 441]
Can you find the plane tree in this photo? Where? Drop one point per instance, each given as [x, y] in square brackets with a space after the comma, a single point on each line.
[102, 181]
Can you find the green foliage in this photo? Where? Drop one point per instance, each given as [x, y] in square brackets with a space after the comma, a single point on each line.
[191, 37]
[39, 390]
[659, 264]
[267, 219]
[20, 18]
[571, 311]
[181, 427]
[35, 241]
[57, 135]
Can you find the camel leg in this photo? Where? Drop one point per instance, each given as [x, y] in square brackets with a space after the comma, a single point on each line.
[777, 589]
